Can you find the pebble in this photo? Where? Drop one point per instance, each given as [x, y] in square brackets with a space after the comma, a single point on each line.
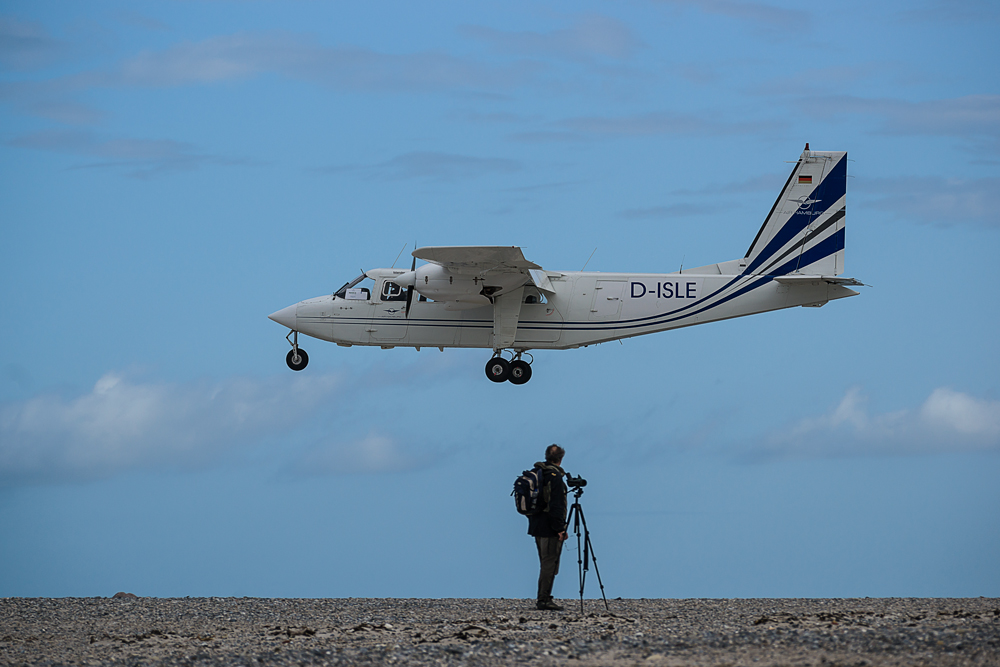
[255, 632]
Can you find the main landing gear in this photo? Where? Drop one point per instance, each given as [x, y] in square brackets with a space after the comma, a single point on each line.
[515, 371]
[297, 359]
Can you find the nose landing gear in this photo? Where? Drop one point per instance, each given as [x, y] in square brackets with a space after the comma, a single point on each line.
[515, 371]
[297, 359]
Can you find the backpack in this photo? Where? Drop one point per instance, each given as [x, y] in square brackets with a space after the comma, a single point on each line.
[528, 492]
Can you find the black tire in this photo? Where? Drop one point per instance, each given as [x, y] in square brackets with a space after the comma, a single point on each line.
[302, 362]
[498, 369]
[520, 371]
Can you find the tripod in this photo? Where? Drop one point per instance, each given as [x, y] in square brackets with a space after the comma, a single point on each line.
[583, 556]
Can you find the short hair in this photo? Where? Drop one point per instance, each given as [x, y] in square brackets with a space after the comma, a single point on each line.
[554, 454]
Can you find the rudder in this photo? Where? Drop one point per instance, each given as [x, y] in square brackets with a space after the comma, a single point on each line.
[804, 232]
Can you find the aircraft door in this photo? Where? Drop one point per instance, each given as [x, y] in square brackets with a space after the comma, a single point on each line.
[607, 300]
[389, 317]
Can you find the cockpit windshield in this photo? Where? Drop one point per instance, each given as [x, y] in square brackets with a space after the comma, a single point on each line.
[350, 291]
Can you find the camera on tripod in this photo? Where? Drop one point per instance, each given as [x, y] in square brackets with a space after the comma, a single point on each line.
[584, 549]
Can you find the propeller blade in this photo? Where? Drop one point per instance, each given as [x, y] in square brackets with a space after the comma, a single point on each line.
[409, 290]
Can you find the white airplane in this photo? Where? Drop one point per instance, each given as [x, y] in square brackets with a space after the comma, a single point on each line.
[492, 297]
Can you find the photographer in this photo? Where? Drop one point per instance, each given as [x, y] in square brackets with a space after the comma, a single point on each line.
[548, 527]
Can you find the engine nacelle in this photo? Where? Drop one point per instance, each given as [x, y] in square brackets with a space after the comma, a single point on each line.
[436, 282]
[460, 290]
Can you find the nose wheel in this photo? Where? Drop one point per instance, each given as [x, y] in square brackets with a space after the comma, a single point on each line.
[516, 371]
[297, 359]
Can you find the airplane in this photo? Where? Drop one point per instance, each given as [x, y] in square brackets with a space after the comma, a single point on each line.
[492, 297]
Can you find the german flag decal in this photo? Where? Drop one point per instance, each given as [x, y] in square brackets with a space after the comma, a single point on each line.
[805, 179]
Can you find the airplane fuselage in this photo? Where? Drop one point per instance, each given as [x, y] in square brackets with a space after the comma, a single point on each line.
[582, 309]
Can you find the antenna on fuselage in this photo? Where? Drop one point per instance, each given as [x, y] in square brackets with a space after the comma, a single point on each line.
[588, 259]
[397, 257]
[682, 263]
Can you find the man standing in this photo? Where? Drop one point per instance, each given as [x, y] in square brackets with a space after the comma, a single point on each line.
[548, 527]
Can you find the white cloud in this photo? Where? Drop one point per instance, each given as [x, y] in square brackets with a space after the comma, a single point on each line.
[934, 199]
[646, 124]
[948, 421]
[759, 14]
[141, 158]
[49, 99]
[138, 20]
[590, 36]
[820, 80]
[653, 123]
[297, 424]
[375, 452]
[432, 166]
[971, 116]
[979, 11]
[671, 211]
[247, 55]
[27, 46]
[123, 425]
[244, 55]
[764, 182]
[947, 409]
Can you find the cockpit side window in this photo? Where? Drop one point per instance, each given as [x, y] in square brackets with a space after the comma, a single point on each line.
[392, 292]
[350, 292]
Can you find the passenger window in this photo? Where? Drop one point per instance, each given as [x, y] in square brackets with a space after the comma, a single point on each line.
[392, 292]
[534, 296]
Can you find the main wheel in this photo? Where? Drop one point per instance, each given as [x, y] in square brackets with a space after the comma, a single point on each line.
[498, 369]
[297, 363]
[520, 371]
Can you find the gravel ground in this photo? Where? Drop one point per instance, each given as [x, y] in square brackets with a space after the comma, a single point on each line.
[244, 631]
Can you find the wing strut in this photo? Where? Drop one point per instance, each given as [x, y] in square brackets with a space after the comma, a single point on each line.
[506, 310]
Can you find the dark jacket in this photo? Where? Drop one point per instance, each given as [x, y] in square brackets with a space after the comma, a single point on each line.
[552, 519]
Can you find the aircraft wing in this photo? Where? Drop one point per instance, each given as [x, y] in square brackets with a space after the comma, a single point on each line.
[477, 259]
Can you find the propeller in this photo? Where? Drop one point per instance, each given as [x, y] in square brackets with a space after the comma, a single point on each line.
[409, 288]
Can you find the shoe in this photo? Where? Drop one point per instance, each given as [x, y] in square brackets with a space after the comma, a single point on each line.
[549, 605]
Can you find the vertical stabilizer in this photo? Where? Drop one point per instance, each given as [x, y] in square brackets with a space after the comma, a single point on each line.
[804, 232]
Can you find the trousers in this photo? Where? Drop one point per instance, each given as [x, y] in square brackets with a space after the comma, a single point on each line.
[549, 550]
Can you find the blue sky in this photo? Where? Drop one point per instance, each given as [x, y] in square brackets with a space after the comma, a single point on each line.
[173, 172]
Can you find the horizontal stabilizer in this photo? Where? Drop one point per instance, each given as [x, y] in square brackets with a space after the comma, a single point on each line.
[831, 280]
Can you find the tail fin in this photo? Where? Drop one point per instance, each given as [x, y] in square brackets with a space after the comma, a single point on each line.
[804, 232]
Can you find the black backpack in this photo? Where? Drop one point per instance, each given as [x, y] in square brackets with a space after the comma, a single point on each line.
[528, 492]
